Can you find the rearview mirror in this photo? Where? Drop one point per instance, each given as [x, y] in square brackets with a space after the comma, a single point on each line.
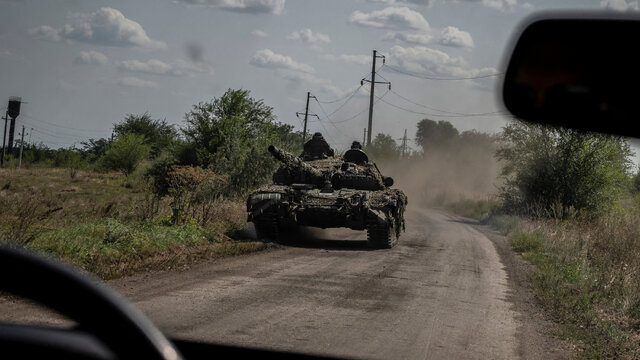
[579, 71]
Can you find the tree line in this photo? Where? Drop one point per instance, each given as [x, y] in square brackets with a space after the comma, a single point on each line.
[544, 170]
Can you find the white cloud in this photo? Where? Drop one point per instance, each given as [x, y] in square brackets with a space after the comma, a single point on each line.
[152, 66]
[349, 59]
[396, 18]
[410, 38]
[424, 60]
[449, 36]
[501, 5]
[45, 32]
[268, 59]
[158, 67]
[323, 84]
[619, 5]
[505, 5]
[246, 6]
[259, 33]
[306, 35]
[452, 36]
[91, 57]
[394, 2]
[107, 26]
[136, 82]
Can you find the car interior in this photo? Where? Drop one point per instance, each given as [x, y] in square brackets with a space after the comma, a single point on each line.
[557, 64]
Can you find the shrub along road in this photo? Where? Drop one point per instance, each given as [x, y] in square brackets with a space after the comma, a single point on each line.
[446, 291]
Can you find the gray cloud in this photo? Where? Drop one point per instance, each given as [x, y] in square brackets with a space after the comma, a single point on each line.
[245, 6]
[395, 2]
[152, 66]
[306, 35]
[131, 81]
[619, 5]
[449, 36]
[349, 59]
[268, 59]
[394, 18]
[45, 32]
[91, 57]
[502, 5]
[259, 33]
[107, 26]
[424, 60]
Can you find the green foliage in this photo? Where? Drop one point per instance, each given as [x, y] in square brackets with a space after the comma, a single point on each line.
[126, 153]
[230, 135]
[383, 148]
[548, 171]
[503, 223]
[432, 134]
[523, 242]
[157, 133]
[94, 149]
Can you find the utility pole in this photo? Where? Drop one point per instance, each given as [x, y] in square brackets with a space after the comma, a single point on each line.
[4, 138]
[373, 83]
[21, 147]
[364, 137]
[306, 116]
[404, 144]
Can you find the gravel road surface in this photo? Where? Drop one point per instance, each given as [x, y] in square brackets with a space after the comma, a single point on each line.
[442, 293]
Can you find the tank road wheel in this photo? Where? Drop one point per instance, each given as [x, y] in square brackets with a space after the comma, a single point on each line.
[381, 236]
[267, 227]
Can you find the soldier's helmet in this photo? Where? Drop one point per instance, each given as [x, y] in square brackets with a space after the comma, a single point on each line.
[356, 145]
[316, 148]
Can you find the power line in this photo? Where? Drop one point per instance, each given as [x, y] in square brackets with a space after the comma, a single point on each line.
[435, 109]
[378, 98]
[346, 101]
[426, 77]
[62, 126]
[440, 115]
[329, 121]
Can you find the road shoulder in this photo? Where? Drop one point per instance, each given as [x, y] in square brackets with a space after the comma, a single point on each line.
[535, 339]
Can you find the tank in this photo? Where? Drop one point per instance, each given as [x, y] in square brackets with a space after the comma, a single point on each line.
[328, 192]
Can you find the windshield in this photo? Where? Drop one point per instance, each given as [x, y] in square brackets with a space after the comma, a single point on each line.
[310, 176]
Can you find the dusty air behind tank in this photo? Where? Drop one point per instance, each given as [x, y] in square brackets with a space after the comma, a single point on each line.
[322, 190]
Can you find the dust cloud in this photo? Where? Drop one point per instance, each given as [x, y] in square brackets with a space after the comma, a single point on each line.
[446, 175]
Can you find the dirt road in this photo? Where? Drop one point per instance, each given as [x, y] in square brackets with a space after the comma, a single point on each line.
[442, 293]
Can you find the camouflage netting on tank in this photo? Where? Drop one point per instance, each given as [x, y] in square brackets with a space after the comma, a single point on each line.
[346, 190]
[393, 202]
[333, 169]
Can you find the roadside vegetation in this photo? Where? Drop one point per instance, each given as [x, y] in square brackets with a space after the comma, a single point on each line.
[154, 196]
[570, 204]
[157, 196]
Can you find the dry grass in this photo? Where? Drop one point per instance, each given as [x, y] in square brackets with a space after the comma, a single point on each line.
[110, 225]
[588, 274]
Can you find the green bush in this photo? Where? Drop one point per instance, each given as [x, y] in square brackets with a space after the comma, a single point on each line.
[554, 172]
[125, 153]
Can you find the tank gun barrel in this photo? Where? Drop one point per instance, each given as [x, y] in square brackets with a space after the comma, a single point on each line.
[295, 163]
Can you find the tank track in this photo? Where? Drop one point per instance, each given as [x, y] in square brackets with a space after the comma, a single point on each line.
[267, 227]
[381, 236]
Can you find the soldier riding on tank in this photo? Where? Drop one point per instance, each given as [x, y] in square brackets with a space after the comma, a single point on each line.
[322, 190]
[316, 148]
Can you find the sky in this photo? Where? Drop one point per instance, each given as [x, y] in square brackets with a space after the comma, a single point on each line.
[82, 65]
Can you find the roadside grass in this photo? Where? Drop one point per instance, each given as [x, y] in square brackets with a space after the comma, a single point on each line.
[587, 273]
[109, 225]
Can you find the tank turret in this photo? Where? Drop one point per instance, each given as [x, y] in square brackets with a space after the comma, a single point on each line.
[296, 168]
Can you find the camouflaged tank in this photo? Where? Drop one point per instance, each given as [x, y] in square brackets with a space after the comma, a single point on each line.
[329, 192]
